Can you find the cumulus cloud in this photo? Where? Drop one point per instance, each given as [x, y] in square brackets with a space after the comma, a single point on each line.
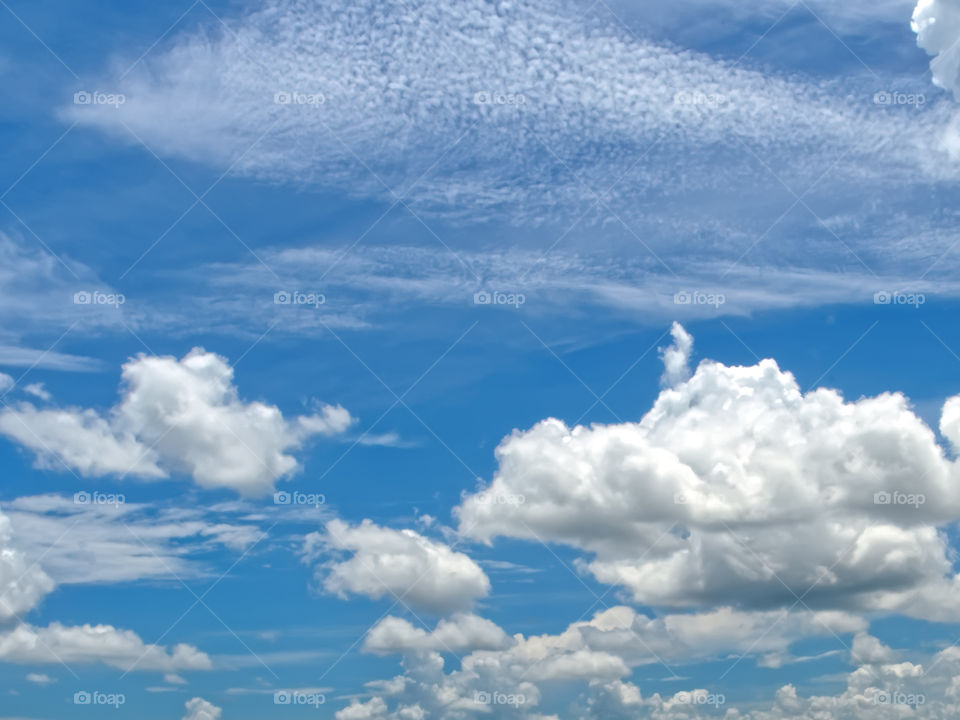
[456, 634]
[22, 583]
[601, 651]
[884, 690]
[174, 416]
[200, 709]
[937, 25]
[82, 644]
[358, 710]
[676, 358]
[397, 564]
[737, 488]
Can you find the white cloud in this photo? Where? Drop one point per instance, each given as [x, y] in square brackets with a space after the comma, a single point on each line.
[456, 634]
[422, 573]
[884, 690]
[357, 710]
[174, 416]
[604, 649]
[738, 488]
[200, 709]
[6, 382]
[81, 644]
[38, 391]
[937, 25]
[40, 679]
[593, 96]
[676, 358]
[22, 583]
[105, 543]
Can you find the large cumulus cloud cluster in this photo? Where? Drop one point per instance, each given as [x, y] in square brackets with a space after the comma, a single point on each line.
[738, 487]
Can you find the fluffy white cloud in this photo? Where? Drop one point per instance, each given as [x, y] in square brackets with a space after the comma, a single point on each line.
[937, 25]
[357, 710]
[396, 564]
[599, 651]
[118, 648]
[200, 709]
[22, 583]
[456, 634]
[887, 690]
[738, 488]
[676, 358]
[175, 416]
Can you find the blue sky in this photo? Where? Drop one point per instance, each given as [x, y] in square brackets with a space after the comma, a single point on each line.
[479, 359]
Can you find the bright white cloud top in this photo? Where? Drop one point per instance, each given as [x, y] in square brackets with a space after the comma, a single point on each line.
[200, 709]
[175, 416]
[739, 488]
[400, 565]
